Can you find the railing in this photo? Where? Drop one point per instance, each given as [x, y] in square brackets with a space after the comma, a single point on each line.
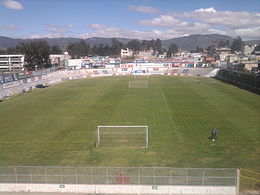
[118, 175]
[250, 180]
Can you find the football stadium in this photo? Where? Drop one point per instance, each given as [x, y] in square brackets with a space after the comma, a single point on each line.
[130, 97]
[150, 130]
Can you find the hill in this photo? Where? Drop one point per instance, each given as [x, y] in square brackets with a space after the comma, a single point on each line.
[6, 42]
[203, 41]
[186, 43]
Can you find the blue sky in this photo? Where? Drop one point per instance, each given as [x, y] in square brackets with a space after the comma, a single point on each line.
[141, 19]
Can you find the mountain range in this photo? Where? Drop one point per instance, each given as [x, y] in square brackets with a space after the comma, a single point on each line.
[186, 43]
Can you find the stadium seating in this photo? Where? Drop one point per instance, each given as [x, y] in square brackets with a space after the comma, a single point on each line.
[157, 71]
[48, 78]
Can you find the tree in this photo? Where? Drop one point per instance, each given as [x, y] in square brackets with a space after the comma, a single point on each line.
[36, 54]
[55, 49]
[83, 48]
[2, 52]
[78, 49]
[158, 46]
[13, 50]
[72, 50]
[93, 50]
[197, 50]
[172, 50]
[100, 50]
[116, 47]
[237, 45]
[134, 45]
[145, 45]
[151, 44]
[211, 50]
[227, 43]
[107, 50]
[222, 44]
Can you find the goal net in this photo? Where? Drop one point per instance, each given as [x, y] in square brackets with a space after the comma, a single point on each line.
[138, 84]
[122, 136]
[141, 76]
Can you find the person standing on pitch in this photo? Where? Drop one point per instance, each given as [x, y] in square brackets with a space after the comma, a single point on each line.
[214, 134]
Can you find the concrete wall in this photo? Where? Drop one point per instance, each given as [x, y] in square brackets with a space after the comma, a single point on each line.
[119, 189]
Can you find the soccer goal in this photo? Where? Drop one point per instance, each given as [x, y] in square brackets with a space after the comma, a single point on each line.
[141, 76]
[138, 84]
[122, 136]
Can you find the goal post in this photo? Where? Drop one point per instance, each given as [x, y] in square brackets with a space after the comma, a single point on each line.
[138, 84]
[122, 136]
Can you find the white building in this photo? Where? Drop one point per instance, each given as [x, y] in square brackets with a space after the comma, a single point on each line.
[146, 55]
[126, 53]
[248, 49]
[162, 55]
[77, 64]
[59, 59]
[11, 62]
[223, 52]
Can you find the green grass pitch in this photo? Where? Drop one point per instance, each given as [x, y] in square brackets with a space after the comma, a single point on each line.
[55, 126]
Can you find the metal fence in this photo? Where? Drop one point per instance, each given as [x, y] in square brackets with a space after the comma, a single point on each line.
[118, 175]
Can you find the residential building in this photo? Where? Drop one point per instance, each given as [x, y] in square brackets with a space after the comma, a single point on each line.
[248, 49]
[126, 53]
[60, 59]
[223, 52]
[76, 64]
[11, 62]
[164, 55]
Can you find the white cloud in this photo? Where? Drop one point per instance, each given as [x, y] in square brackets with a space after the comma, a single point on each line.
[10, 4]
[249, 33]
[39, 36]
[97, 26]
[217, 31]
[166, 33]
[211, 9]
[245, 33]
[53, 25]
[56, 28]
[200, 21]
[111, 32]
[144, 9]
[9, 27]
[55, 31]
[179, 26]
[163, 20]
[224, 18]
[209, 20]
[70, 26]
